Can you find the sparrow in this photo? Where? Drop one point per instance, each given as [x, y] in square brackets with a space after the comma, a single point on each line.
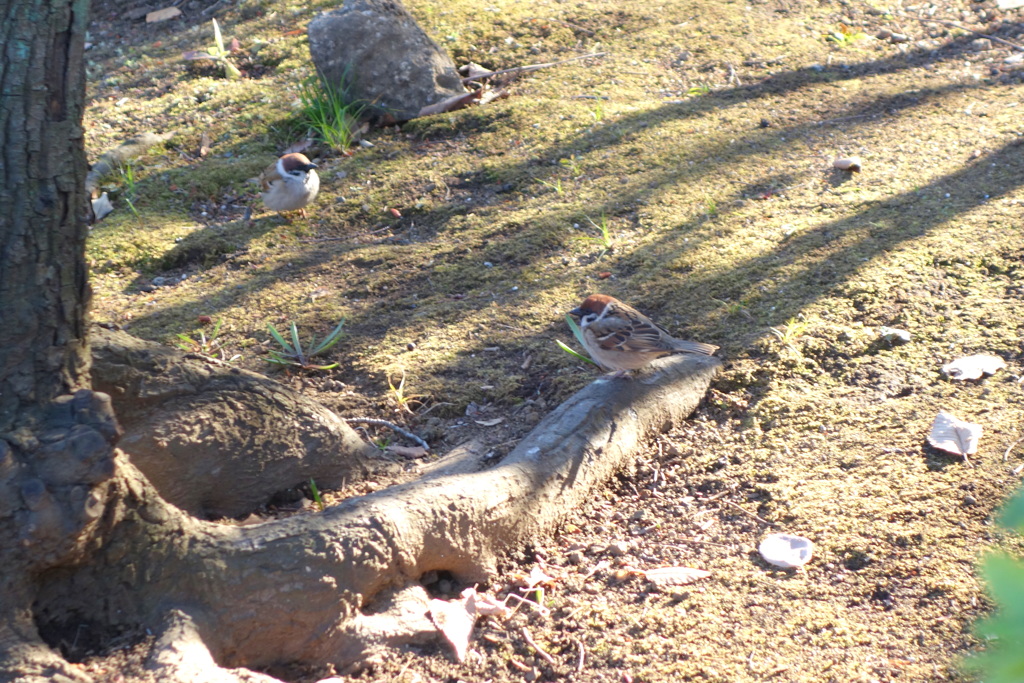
[290, 183]
[620, 338]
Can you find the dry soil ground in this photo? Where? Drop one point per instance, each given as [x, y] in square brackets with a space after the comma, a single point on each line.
[703, 140]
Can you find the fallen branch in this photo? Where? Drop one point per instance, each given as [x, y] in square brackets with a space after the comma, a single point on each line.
[529, 67]
[113, 159]
[953, 24]
[390, 425]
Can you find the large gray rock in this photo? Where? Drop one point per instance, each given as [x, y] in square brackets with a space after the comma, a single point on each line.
[378, 51]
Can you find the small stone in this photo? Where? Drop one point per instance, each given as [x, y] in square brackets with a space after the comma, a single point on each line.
[575, 557]
[970, 500]
[618, 548]
[639, 515]
[981, 44]
[410, 346]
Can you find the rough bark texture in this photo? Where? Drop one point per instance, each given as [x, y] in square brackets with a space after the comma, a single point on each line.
[43, 277]
[347, 578]
[218, 441]
[56, 456]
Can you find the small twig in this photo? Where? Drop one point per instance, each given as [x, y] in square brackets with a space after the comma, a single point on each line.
[1010, 448]
[953, 24]
[544, 611]
[751, 514]
[697, 541]
[583, 656]
[529, 641]
[529, 67]
[390, 425]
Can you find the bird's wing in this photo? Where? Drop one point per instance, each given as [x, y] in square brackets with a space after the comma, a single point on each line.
[636, 335]
[616, 333]
[268, 176]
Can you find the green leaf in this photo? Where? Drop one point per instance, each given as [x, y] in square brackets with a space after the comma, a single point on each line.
[1012, 516]
[568, 350]
[295, 340]
[329, 341]
[216, 36]
[1003, 660]
[576, 331]
[280, 340]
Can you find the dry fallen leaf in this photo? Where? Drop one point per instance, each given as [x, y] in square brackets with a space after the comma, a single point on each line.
[851, 164]
[297, 147]
[474, 70]
[973, 367]
[162, 14]
[490, 423]
[204, 144]
[954, 435]
[675, 576]
[454, 619]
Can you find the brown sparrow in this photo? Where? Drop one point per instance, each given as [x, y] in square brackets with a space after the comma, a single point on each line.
[621, 338]
[290, 183]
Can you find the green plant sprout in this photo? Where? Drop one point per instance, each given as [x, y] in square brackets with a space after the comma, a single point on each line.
[127, 171]
[401, 398]
[211, 347]
[578, 333]
[556, 186]
[598, 112]
[217, 53]
[330, 111]
[573, 164]
[697, 90]
[793, 330]
[845, 36]
[606, 234]
[316, 494]
[292, 352]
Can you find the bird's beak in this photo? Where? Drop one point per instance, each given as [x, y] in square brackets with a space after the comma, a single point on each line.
[310, 167]
[578, 312]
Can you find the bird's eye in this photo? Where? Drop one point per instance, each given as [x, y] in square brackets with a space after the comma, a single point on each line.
[589, 318]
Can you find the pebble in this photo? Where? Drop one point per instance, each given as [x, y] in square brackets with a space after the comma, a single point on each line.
[575, 557]
[618, 548]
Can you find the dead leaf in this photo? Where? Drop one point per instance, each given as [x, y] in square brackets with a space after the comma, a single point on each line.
[486, 605]
[395, 212]
[537, 577]
[675, 576]
[451, 104]
[297, 147]
[474, 70]
[954, 435]
[197, 54]
[318, 293]
[204, 144]
[101, 207]
[235, 46]
[162, 14]
[455, 620]
[973, 367]
[408, 451]
[849, 164]
[490, 423]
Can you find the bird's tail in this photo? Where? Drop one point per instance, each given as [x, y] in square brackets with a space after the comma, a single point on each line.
[683, 346]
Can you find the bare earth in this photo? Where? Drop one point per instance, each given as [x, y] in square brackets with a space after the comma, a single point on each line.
[703, 140]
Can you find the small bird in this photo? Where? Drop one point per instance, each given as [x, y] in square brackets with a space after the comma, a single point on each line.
[621, 338]
[290, 183]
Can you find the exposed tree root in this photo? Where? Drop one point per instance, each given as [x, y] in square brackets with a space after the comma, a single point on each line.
[220, 441]
[331, 588]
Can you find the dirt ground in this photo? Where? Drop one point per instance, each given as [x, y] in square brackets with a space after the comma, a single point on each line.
[703, 139]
